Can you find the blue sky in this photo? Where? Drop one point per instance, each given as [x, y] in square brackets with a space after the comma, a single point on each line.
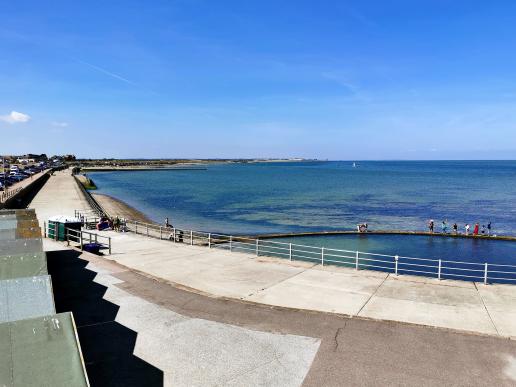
[316, 79]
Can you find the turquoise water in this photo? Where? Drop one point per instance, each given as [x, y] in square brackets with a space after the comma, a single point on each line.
[314, 196]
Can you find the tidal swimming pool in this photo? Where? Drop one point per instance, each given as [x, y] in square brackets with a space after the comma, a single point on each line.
[461, 258]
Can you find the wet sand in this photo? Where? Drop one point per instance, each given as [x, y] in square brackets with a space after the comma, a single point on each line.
[115, 207]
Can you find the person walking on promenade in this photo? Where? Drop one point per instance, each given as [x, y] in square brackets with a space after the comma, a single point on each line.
[489, 228]
[167, 223]
[431, 226]
[475, 230]
[444, 226]
[466, 227]
[116, 224]
[455, 228]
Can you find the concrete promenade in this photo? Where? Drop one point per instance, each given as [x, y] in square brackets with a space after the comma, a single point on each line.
[204, 316]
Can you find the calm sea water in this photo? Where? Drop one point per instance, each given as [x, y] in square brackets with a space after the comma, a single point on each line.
[313, 196]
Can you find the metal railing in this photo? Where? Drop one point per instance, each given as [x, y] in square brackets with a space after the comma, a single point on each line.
[359, 260]
[6, 195]
[91, 201]
[80, 237]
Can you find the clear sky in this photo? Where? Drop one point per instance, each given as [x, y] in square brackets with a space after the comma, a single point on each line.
[410, 79]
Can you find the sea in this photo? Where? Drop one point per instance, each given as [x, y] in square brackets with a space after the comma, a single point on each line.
[290, 197]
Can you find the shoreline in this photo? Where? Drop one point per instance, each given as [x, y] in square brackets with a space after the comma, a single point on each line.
[116, 207]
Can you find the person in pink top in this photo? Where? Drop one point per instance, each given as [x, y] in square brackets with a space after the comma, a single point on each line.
[475, 230]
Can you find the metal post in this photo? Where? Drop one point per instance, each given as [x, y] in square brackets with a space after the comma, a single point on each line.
[80, 239]
[322, 256]
[439, 270]
[485, 274]
[45, 229]
[109, 241]
[396, 264]
[257, 247]
[230, 243]
[96, 239]
[191, 237]
[56, 231]
[136, 227]
[90, 237]
[67, 233]
[209, 240]
[356, 260]
[290, 251]
[174, 234]
[160, 232]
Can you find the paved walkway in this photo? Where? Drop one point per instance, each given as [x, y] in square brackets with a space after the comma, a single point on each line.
[59, 196]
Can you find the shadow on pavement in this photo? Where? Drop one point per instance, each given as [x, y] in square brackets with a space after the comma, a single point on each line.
[107, 346]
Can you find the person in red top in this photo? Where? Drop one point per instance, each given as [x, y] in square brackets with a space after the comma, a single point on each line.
[475, 230]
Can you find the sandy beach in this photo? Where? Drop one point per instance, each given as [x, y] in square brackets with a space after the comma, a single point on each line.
[115, 207]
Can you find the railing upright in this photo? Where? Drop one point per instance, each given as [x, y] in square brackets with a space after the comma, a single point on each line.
[439, 270]
[160, 232]
[322, 256]
[109, 241]
[230, 243]
[356, 260]
[209, 240]
[485, 273]
[290, 251]
[191, 237]
[257, 247]
[396, 264]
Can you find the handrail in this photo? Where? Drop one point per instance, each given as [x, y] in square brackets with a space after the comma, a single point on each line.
[398, 265]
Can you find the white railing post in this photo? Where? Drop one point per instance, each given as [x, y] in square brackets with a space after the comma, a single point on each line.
[356, 260]
[257, 248]
[209, 240]
[160, 232]
[174, 234]
[439, 271]
[136, 227]
[396, 264]
[191, 237]
[485, 273]
[231, 243]
[290, 251]
[322, 256]
[80, 239]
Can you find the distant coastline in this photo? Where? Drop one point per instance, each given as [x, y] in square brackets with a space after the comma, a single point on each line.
[162, 164]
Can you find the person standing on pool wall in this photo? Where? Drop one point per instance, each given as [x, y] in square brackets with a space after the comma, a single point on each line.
[489, 228]
[444, 226]
[475, 230]
[466, 227]
[431, 226]
[455, 227]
